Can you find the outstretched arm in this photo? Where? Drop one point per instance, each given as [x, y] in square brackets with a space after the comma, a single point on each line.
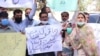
[34, 7]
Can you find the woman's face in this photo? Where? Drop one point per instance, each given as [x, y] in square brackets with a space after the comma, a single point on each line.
[80, 18]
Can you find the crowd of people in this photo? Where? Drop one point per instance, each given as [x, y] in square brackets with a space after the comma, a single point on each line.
[78, 38]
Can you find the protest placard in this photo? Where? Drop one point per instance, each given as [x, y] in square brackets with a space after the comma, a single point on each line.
[12, 44]
[43, 39]
[63, 5]
[16, 3]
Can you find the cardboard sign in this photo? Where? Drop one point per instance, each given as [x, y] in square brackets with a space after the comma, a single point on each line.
[12, 44]
[16, 3]
[43, 39]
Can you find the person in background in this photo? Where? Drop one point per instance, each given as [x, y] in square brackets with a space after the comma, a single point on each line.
[2, 9]
[67, 29]
[5, 9]
[67, 47]
[43, 17]
[46, 9]
[51, 19]
[82, 38]
[4, 23]
[87, 16]
[27, 11]
[50, 15]
[32, 21]
[17, 23]
[64, 17]
[44, 21]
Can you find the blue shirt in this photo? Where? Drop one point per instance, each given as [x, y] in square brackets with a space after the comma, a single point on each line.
[21, 27]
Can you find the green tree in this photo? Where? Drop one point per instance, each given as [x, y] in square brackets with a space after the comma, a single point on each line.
[82, 4]
[98, 5]
[42, 3]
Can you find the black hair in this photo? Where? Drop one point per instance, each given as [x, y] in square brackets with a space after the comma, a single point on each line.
[42, 13]
[44, 9]
[17, 11]
[86, 13]
[65, 13]
[1, 7]
[3, 15]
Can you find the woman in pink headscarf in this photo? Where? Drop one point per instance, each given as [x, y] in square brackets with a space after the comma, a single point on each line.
[82, 38]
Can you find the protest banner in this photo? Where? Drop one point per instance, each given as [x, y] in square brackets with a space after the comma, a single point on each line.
[63, 5]
[16, 3]
[12, 44]
[96, 31]
[43, 39]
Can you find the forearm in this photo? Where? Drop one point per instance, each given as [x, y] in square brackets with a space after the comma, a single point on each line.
[34, 7]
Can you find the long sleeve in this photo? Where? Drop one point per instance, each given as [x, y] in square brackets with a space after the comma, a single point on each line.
[29, 19]
[34, 7]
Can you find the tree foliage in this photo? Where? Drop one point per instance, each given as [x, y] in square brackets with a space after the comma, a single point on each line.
[98, 5]
[82, 4]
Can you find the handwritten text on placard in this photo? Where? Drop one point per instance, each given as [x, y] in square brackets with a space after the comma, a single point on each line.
[12, 44]
[44, 39]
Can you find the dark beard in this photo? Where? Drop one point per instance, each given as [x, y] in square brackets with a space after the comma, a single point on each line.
[18, 20]
[26, 15]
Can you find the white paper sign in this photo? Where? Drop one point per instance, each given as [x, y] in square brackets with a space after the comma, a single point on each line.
[42, 39]
[16, 3]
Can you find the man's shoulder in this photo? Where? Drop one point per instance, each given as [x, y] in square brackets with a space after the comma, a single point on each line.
[7, 30]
